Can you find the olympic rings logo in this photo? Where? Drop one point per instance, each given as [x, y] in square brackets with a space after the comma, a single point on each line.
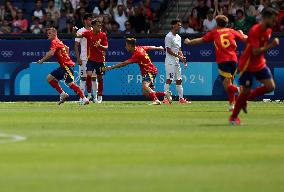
[7, 53]
[205, 52]
[76, 79]
[273, 52]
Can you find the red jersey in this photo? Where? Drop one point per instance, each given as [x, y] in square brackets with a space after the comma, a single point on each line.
[225, 43]
[257, 37]
[61, 53]
[141, 57]
[95, 53]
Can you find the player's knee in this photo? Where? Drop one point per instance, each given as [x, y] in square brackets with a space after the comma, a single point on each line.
[168, 81]
[178, 82]
[94, 78]
[270, 87]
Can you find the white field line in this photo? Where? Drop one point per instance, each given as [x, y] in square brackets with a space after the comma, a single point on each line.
[11, 138]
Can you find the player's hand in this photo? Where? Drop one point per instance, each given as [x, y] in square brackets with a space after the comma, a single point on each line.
[108, 68]
[275, 42]
[182, 58]
[161, 48]
[40, 61]
[185, 65]
[98, 43]
[187, 41]
[79, 61]
[75, 29]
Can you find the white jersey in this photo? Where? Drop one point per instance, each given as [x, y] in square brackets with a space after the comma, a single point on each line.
[173, 42]
[83, 43]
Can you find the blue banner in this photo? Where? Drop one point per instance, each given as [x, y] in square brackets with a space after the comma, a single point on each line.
[21, 77]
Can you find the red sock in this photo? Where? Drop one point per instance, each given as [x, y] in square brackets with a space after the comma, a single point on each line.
[241, 101]
[89, 83]
[153, 96]
[259, 91]
[77, 90]
[160, 94]
[232, 90]
[100, 87]
[56, 85]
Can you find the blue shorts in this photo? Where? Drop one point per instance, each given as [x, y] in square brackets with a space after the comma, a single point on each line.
[149, 77]
[227, 70]
[65, 73]
[98, 66]
[247, 77]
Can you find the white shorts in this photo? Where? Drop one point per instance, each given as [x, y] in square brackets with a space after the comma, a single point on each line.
[173, 72]
[83, 69]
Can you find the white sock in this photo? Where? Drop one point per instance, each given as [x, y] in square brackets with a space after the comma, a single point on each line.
[95, 88]
[166, 87]
[83, 86]
[180, 91]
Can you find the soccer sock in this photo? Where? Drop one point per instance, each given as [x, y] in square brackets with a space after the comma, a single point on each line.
[232, 89]
[77, 90]
[83, 85]
[89, 84]
[56, 85]
[100, 87]
[241, 101]
[259, 91]
[153, 96]
[180, 91]
[166, 87]
[95, 88]
[160, 94]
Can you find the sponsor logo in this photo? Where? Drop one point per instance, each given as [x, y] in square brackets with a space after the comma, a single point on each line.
[273, 52]
[7, 53]
[205, 52]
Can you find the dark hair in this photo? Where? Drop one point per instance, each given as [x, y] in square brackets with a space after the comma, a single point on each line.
[268, 12]
[240, 11]
[175, 21]
[95, 21]
[87, 16]
[222, 21]
[131, 41]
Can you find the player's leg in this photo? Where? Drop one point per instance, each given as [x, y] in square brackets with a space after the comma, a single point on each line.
[69, 80]
[83, 75]
[95, 87]
[152, 94]
[245, 81]
[179, 88]
[53, 79]
[227, 72]
[90, 68]
[169, 68]
[268, 84]
[100, 73]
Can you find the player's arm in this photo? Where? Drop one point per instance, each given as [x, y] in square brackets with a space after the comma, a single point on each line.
[99, 45]
[48, 55]
[260, 50]
[160, 48]
[119, 65]
[75, 34]
[181, 54]
[196, 41]
[76, 49]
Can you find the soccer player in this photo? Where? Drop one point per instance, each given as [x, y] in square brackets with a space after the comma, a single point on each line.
[148, 70]
[65, 71]
[97, 44]
[252, 63]
[226, 56]
[82, 57]
[172, 66]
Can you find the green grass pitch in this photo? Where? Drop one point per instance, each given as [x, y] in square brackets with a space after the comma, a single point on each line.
[133, 147]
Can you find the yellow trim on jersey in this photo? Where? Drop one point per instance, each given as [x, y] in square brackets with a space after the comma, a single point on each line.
[69, 72]
[225, 74]
[151, 77]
